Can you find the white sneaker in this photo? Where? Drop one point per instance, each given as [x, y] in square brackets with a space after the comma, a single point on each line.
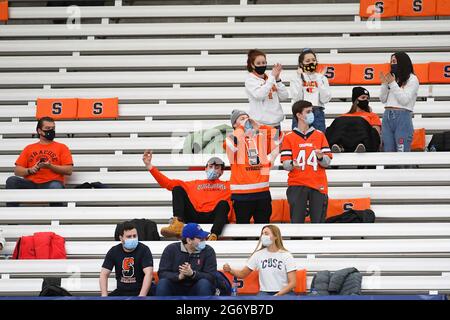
[360, 148]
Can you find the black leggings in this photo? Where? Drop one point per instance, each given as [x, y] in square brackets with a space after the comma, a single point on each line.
[261, 210]
[185, 211]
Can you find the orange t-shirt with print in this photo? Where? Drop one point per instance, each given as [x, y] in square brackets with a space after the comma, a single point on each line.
[56, 153]
[372, 118]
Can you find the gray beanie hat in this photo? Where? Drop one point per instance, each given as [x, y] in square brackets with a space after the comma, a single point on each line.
[235, 114]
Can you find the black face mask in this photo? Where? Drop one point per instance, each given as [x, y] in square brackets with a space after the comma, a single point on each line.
[394, 69]
[310, 67]
[260, 69]
[49, 134]
[363, 104]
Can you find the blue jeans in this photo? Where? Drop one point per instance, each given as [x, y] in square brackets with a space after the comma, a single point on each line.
[397, 130]
[21, 183]
[167, 287]
[266, 293]
[319, 120]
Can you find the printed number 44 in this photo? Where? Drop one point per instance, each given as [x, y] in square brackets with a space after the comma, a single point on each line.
[311, 161]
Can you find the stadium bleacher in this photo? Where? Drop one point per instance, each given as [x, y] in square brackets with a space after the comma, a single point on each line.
[178, 68]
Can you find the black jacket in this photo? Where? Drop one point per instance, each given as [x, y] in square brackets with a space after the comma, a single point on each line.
[348, 132]
[204, 264]
[354, 216]
[147, 230]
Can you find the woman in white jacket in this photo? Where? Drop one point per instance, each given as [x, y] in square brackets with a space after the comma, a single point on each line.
[311, 86]
[399, 90]
[264, 91]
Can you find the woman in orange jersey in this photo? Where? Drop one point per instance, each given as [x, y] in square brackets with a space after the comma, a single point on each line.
[199, 201]
[251, 149]
[305, 153]
[357, 130]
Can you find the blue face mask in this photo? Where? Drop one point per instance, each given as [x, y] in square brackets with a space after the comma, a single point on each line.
[394, 68]
[200, 246]
[309, 118]
[131, 244]
[212, 174]
[248, 125]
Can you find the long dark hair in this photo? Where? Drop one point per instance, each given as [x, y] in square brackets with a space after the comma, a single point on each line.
[251, 57]
[405, 67]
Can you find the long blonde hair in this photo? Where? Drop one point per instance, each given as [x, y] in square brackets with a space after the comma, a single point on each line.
[278, 238]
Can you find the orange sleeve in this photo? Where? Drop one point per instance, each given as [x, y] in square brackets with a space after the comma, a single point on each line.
[375, 121]
[22, 160]
[286, 150]
[66, 156]
[326, 147]
[163, 181]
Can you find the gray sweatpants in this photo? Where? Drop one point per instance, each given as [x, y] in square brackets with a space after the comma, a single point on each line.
[299, 197]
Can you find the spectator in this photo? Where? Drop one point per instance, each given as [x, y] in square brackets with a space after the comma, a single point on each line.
[2, 240]
[265, 91]
[359, 129]
[251, 149]
[188, 268]
[305, 154]
[42, 165]
[312, 86]
[276, 265]
[399, 90]
[200, 201]
[133, 264]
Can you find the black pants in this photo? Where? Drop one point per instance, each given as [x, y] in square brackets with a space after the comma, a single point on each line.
[261, 210]
[299, 197]
[185, 211]
[21, 183]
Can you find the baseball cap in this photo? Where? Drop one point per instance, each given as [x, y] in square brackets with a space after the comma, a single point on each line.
[193, 230]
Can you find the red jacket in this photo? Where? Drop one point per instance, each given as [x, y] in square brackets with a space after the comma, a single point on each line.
[41, 245]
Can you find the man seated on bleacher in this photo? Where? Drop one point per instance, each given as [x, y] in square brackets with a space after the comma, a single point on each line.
[133, 264]
[42, 165]
[199, 201]
[188, 268]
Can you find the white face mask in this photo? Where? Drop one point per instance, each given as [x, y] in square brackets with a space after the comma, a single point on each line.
[265, 240]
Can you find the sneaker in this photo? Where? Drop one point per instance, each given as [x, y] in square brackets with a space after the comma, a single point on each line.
[360, 148]
[335, 149]
[212, 237]
[174, 229]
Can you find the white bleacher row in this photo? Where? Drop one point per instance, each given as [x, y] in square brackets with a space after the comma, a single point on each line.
[386, 194]
[168, 127]
[220, 110]
[384, 230]
[227, 45]
[138, 77]
[366, 265]
[184, 93]
[218, 28]
[195, 61]
[266, 10]
[171, 161]
[299, 248]
[335, 177]
[162, 214]
[133, 144]
[384, 284]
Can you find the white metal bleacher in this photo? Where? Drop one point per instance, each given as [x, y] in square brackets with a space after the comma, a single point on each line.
[429, 108]
[202, 61]
[219, 28]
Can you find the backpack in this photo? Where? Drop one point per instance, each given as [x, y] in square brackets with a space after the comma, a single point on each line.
[51, 287]
[353, 216]
[223, 285]
[147, 230]
[440, 142]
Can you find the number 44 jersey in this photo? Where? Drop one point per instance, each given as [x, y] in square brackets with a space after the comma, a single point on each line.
[302, 149]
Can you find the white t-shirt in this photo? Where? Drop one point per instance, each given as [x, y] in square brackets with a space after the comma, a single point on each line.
[273, 268]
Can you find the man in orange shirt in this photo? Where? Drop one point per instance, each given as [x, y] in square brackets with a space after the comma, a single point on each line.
[42, 165]
[305, 153]
[199, 201]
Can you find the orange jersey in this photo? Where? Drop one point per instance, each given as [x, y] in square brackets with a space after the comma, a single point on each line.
[372, 118]
[204, 194]
[250, 160]
[56, 153]
[301, 148]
